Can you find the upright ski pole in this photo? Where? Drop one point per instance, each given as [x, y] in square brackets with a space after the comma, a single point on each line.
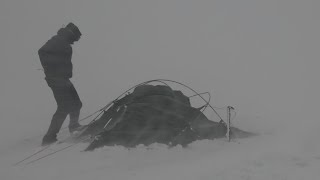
[229, 123]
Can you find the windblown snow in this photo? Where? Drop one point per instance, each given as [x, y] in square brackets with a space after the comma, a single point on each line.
[261, 57]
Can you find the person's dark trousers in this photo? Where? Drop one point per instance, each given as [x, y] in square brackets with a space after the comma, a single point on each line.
[68, 103]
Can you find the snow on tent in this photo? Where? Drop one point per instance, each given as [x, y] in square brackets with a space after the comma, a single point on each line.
[155, 113]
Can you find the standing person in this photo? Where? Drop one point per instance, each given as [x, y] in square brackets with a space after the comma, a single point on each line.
[55, 56]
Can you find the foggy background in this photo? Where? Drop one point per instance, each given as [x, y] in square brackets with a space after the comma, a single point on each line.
[259, 56]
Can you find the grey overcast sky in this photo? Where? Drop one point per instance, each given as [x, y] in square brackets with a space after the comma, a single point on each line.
[261, 56]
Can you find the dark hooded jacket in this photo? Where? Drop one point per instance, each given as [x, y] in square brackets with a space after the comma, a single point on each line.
[55, 56]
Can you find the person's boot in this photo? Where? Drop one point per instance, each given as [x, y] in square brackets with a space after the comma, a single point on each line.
[76, 128]
[47, 140]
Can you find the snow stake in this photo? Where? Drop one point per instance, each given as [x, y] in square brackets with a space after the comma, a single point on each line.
[229, 123]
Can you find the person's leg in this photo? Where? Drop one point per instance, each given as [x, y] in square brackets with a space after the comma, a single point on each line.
[55, 126]
[61, 94]
[76, 105]
[74, 118]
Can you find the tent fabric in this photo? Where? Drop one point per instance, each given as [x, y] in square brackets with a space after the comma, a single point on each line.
[153, 114]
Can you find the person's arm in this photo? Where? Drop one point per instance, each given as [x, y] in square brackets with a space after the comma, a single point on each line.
[50, 52]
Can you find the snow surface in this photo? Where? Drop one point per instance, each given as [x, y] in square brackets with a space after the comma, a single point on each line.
[262, 57]
[260, 157]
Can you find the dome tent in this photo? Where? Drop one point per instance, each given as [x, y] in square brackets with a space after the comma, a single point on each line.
[154, 114]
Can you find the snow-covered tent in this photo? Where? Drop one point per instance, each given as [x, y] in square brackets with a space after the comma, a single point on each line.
[154, 114]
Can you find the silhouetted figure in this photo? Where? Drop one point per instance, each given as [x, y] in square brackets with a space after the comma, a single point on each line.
[55, 56]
